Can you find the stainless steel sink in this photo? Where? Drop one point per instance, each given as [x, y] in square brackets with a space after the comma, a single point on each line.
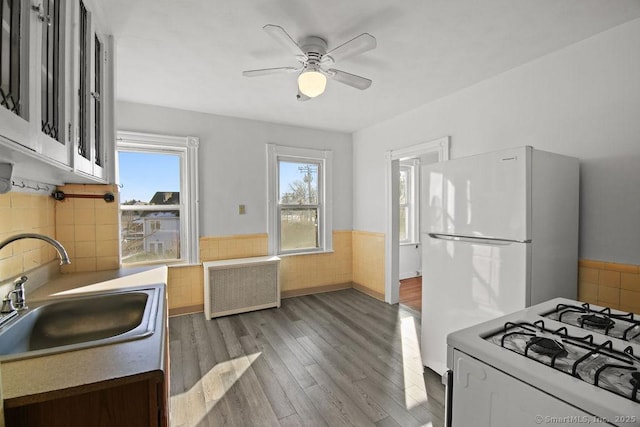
[73, 323]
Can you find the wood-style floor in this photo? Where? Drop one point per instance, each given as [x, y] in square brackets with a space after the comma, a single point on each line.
[411, 293]
[339, 358]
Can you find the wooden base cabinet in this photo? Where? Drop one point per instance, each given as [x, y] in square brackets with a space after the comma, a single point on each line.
[140, 403]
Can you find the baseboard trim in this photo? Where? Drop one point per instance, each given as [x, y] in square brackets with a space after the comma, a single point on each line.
[375, 294]
[179, 311]
[315, 290]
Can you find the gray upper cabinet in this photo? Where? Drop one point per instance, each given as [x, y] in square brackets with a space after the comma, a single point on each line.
[56, 91]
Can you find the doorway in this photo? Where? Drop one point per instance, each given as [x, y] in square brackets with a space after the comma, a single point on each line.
[402, 230]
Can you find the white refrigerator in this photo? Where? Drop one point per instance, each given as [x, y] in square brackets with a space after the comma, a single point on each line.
[499, 233]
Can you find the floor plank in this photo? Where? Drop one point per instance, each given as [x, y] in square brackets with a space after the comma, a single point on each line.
[339, 358]
[411, 292]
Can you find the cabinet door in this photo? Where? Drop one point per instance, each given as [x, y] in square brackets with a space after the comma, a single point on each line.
[92, 65]
[132, 404]
[50, 49]
[14, 74]
[33, 82]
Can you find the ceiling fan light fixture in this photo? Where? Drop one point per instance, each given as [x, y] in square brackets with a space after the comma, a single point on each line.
[312, 83]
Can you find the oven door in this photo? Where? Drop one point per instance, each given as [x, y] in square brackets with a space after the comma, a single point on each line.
[482, 396]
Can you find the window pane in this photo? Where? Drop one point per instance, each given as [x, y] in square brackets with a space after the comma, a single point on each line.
[150, 235]
[403, 186]
[50, 68]
[11, 43]
[298, 183]
[298, 228]
[149, 179]
[404, 221]
[83, 92]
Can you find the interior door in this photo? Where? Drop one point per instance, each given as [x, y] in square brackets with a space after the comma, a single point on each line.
[486, 195]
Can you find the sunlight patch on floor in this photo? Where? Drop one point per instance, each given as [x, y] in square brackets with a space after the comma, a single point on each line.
[209, 389]
[415, 392]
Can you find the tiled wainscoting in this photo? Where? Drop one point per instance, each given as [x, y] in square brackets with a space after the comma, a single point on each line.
[26, 213]
[88, 228]
[306, 274]
[368, 263]
[299, 274]
[609, 284]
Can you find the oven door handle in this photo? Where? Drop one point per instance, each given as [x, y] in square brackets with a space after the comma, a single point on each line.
[447, 380]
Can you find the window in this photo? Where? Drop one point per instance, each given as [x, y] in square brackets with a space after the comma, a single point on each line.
[12, 37]
[408, 214]
[158, 198]
[299, 200]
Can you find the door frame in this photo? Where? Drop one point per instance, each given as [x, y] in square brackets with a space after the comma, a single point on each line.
[440, 146]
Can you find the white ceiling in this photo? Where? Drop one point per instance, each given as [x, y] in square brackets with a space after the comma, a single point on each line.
[189, 54]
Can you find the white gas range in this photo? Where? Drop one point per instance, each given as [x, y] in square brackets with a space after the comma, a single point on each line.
[561, 362]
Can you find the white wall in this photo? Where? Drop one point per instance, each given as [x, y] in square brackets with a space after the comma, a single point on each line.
[410, 261]
[582, 101]
[232, 163]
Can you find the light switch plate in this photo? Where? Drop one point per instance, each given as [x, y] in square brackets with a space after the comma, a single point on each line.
[242, 209]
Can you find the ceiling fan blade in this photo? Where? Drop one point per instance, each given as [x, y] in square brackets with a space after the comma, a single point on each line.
[282, 37]
[349, 79]
[353, 47]
[267, 71]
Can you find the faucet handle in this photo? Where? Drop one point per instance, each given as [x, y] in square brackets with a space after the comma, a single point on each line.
[7, 305]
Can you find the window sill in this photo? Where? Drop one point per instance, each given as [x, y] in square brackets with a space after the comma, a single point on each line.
[168, 263]
[305, 253]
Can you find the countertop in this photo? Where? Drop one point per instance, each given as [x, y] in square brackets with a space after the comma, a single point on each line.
[42, 378]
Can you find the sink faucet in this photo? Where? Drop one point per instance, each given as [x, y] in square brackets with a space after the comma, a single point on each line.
[8, 306]
[64, 257]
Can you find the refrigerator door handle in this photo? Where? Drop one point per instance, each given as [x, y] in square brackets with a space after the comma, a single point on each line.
[472, 239]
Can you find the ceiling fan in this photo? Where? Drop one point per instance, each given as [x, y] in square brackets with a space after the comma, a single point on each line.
[311, 52]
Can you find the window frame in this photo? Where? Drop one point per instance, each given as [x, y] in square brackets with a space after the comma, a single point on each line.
[324, 158]
[187, 149]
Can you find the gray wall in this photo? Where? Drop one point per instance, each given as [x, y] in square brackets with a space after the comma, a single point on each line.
[233, 166]
[582, 101]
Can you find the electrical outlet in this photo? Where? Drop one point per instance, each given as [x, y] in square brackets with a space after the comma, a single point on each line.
[242, 209]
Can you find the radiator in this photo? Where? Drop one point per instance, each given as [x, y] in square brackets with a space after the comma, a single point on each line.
[240, 285]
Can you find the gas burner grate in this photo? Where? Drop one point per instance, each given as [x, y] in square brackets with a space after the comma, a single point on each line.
[600, 322]
[625, 326]
[546, 346]
[579, 356]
